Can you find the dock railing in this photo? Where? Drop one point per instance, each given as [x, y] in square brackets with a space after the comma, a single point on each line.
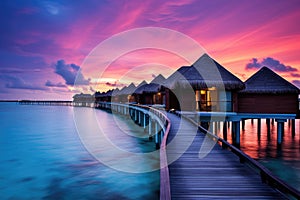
[266, 175]
[165, 123]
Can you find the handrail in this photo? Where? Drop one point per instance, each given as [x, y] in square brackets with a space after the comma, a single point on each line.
[165, 191]
[266, 175]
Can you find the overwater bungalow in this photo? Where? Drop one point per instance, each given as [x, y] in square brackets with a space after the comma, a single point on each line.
[151, 93]
[83, 99]
[214, 88]
[138, 91]
[267, 92]
[126, 94]
[103, 96]
[99, 96]
[114, 95]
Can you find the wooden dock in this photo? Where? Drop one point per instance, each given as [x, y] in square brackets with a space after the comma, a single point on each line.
[219, 175]
[45, 102]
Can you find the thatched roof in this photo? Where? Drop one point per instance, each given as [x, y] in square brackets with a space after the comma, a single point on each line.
[128, 90]
[152, 87]
[115, 92]
[265, 81]
[142, 83]
[103, 94]
[122, 91]
[83, 98]
[158, 79]
[205, 73]
[99, 94]
[175, 76]
[140, 88]
[109, 92]
[81, 95]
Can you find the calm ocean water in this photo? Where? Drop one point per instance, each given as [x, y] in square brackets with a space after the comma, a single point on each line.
[42, 157]
[283, 162]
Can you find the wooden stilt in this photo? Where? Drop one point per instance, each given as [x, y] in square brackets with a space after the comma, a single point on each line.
[232, 132]
[236, 133]
[258, 128]
[225, 130]
[268, 121]
[293, 127]
[280, 125]
[243, 124]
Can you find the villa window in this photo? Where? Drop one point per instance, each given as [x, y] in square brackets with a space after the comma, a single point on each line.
[213, 100]
[204, 100]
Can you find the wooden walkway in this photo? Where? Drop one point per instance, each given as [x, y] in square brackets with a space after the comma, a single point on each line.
[219, 175]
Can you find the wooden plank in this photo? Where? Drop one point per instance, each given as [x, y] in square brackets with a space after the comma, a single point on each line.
[219, 175]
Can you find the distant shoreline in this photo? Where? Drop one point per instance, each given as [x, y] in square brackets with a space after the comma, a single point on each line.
[35, 100]
[9, 101]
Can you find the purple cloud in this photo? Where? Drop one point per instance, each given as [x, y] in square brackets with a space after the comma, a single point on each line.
[15, 82]
[92, 90]
[115, 84]
[50, 84]
[296, 82]
[295, 75]
[254, 64]
[271, 63]
[70, 73]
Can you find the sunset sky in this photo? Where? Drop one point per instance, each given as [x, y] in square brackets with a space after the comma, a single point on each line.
[43, 44]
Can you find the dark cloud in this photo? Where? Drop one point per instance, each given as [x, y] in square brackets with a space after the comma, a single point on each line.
[296, 82]
[50, 84]
[115, 84]
[295, 75]
[71, 73]
[271, 63]
[253, 65]
[15, 82]
[92, 90]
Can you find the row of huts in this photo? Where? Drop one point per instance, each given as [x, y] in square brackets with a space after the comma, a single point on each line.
[208, 86]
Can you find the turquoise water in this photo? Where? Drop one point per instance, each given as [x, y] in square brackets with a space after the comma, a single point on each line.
[42, 157]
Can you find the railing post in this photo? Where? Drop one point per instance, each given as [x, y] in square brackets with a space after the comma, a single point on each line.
[140, 120]
[150, 128]
[144, 121]
[156, 135]
[135, 115]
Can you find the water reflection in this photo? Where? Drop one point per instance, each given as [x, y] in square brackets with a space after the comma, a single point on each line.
[284, 161]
